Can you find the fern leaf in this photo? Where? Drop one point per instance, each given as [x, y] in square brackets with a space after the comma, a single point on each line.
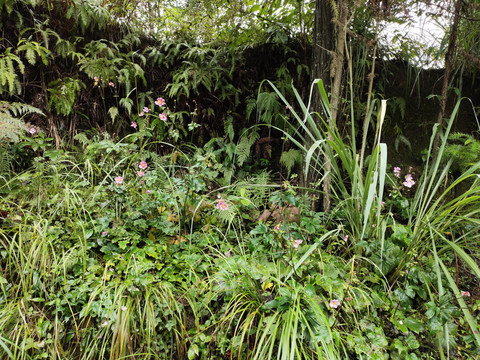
[113, 112]
[290, 158]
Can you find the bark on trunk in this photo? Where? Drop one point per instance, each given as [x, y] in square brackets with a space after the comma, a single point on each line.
[449, 56]
[323, 48]
[327, 64]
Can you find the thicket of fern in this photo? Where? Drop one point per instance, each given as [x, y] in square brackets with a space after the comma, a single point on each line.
[53, 52]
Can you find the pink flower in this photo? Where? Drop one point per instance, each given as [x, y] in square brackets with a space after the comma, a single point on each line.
[95, 78]
[105, 323]
[297, 242]
[140, 173]
[134, 125]
[119, 180]
[146, 110]
[163, 117]
[222, 205]
[465, 293]
[143, 165]
[348, 299]
[160, 102]
[141, 114]
[277, 227]
[345, 238]
[32, 130]
[124, 308]
[148, 191]
[104, 233]
[111, 84]
[396, 171]
[408, 181]
[334, 303]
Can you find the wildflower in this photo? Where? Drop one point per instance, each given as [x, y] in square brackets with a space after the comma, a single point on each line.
[143, 165]
[408, 181]
[160, 102]
[105, 323]
[146, 110]
[382, 204]
[148, 191]
[345, 238]
[222, 205]
[347, 299]
[141, 114]
[334, 303]
[110, 269]
[400, 322]
[140, 173]
[396, 171]
[124, 308]
[111, 84]
[277, 227]
[163, 117]
[465, 293]
[297, 242]
[95, 78]
[134, 125]
[32, 130]
[119, 180]
[104, 233]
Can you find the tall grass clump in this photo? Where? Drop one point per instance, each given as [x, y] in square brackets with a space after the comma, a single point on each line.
[439, 221]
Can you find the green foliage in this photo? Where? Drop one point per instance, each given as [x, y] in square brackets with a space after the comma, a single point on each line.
[63, 94]
[291, 158]
[89, 15]
[148, 247]
[11, 124]
[464, 149]
[32, 51]
[244, 146]
[8, 75]
[164, 261]
[268, 106]
[202, 68]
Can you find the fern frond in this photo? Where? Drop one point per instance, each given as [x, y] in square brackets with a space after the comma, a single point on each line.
[113, 112]
[18, 109]
[127, 104]
[64, 92]
[11, 123]
[244, 146]
[82, 138]
[6, 159]
[290, 158]
[8, 75]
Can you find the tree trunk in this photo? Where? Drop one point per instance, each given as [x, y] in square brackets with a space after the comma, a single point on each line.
[323, 48]
[328, 60]
[337, 72]
[446, 76]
